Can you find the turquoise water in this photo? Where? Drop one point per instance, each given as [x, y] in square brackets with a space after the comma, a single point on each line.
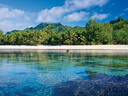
[63, 74]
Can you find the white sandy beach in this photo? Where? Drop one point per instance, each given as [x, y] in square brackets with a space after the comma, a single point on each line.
[65, 47]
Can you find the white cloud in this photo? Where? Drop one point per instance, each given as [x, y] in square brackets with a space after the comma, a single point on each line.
[52, 15]
[11, 19]
[6, 13]
[76, 16]
[81, 4]
[122, 14]
[8, 25]
[55, 14]
[126, 9]
[99, 16]
[2, 5]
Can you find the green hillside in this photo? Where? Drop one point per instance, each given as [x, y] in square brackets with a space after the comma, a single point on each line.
[57, 27]
[94, 33]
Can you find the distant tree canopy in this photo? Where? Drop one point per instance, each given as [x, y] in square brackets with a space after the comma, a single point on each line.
[94, 33]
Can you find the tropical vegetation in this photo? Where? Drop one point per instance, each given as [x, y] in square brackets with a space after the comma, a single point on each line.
[94, 33]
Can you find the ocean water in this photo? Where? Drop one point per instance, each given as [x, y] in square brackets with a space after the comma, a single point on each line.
[63, 74]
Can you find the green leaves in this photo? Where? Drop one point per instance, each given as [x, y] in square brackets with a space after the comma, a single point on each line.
[115, 32]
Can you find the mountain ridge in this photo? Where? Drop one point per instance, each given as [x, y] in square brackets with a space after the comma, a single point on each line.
[58, 27]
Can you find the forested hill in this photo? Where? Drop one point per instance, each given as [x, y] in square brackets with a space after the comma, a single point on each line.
[94, 33]
[57, 27]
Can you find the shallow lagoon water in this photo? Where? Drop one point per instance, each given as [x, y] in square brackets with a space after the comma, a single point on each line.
[63, 74]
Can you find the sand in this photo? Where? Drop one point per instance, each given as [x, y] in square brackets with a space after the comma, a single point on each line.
[65, 47]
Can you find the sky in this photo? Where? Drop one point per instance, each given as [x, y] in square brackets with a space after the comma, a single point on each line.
[21, 14]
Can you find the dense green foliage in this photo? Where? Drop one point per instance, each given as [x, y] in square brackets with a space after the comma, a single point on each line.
[94, 33]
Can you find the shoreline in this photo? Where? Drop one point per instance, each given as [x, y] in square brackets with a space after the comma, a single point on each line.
[64, 47]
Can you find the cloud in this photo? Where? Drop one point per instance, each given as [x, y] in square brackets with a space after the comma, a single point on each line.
[70, 11]
[6, 13]
[126, 9]
[11, 19]
[2, 5]
[56, 14]
[99, 16]
[52, 15]
[8, 25]
[122, 14]
[81, 4]
[76, 16]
